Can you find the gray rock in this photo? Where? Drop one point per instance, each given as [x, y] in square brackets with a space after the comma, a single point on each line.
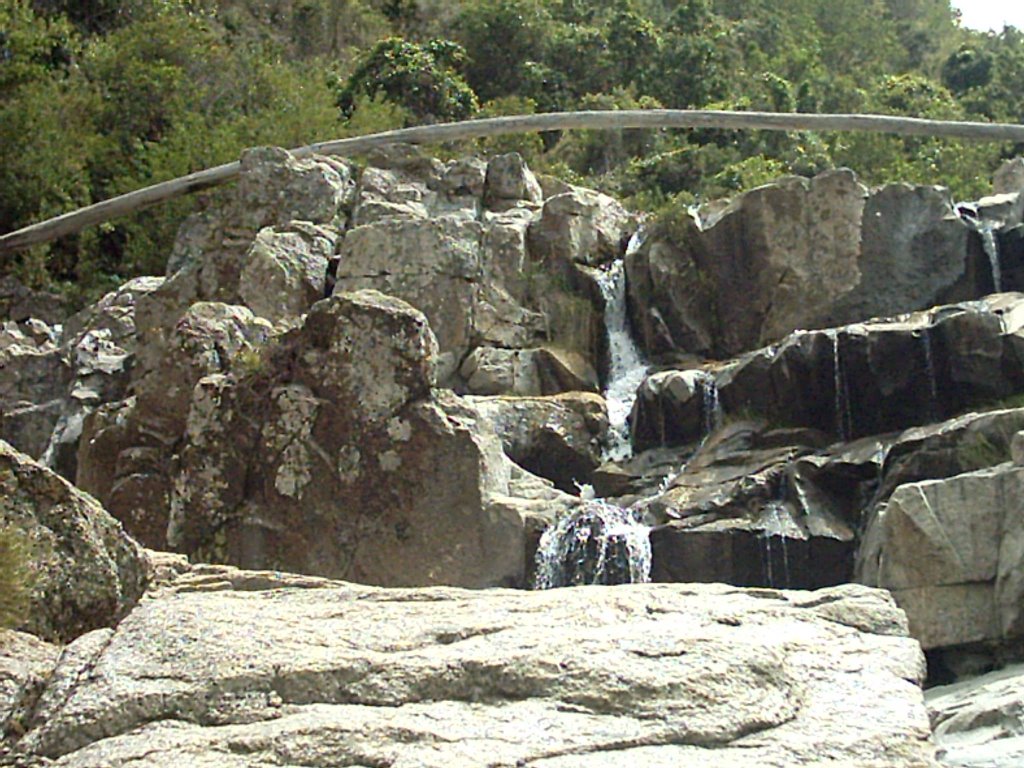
[581, 226]
[126, 454]
[1009, 177]
[285, 270]
[864, 379]
[979, 723]
[18, 303]
[796, 254]
[526, 372]
[559, 437]
[99, 345]
[952, 553]
[509, 182]
[86, 572]
[434, 265]
[339, 674]
[26, 662]
[34, 377]
[340, 432]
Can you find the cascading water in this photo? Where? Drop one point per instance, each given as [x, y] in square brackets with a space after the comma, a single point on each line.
[774, 519]
[986, 229]
[711, 407]
[626, 369]
[601, 543]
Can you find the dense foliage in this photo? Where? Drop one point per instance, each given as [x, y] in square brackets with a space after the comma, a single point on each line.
[98, 97]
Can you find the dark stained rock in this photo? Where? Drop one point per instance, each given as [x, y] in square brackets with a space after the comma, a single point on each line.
[800, 253]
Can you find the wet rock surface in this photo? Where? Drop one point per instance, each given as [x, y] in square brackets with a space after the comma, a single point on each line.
[344, 674]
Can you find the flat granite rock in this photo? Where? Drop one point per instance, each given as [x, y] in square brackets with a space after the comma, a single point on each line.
[233, 668]
[979, 722]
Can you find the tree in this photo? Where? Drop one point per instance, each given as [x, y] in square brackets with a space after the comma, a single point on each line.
[424, 79]
[500, 37]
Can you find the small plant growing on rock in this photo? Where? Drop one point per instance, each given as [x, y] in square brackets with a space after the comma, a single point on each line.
[14, 576]
[979, 452]
[251, 361]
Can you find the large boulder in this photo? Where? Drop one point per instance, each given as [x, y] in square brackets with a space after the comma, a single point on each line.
[581, 226]
[800, 253]
[735, 512]
[299, 204]
[85, 571]
[126, 453]
[434, 265]
[335, 457]
[235, 668]
[509, 183]
[559, 437]
[285, 270]
[752, 504]
[952, 553]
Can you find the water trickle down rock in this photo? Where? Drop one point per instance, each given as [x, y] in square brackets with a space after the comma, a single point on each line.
[844, 414]
[600, 543]
[986, 229]
[929, 367]
[777, 525]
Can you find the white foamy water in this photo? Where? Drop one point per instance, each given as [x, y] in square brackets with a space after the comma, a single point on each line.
[600, 543]
[627, 368]
[986, 229]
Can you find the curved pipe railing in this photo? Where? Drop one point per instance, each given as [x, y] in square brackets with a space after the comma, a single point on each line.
[75, 221]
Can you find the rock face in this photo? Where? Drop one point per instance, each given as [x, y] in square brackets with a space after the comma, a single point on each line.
[952, 553]
[341, 674]
[26, 663]
[126, 456]
[800, 253]
[859, 380]
[86, 572]
[453, 240]
[33, 383]
[334, 456]
[979, 722]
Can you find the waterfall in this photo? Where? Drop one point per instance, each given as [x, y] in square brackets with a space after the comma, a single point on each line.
[986, 229]
[598, 544]
[711, 407]
[626, 365]
[774, 517]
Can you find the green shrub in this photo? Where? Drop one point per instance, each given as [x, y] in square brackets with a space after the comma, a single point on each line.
[978, 452]
[15, 576]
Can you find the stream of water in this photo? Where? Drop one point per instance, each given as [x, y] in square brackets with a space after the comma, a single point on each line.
[986, 229]
[626, 368]
[602, 543]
